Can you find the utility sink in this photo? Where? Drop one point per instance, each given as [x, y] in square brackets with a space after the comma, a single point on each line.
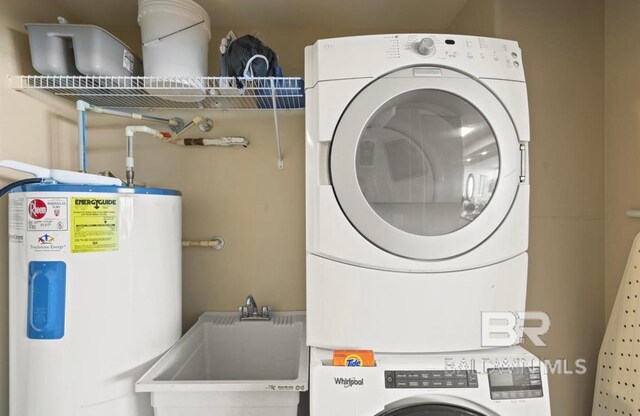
[225, 366]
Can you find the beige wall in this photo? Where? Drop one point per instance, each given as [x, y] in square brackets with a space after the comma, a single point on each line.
[622, 137]
[477, 17]
[562, 43]
[239, 193]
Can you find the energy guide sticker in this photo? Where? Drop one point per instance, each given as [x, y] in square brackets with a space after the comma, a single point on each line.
[94, 225]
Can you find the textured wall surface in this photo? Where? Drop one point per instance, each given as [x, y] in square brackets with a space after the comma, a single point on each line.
[562, 43]
[622, 142]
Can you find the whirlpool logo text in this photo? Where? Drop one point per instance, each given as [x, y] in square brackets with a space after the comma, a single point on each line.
[348, 382]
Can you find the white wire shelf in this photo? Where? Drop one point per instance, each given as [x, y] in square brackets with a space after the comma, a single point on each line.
[170, 93]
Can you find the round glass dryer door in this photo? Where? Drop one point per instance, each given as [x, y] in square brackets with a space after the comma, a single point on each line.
[431, 410]
[425, 167]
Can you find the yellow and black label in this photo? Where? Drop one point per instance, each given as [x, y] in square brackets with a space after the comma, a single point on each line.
[94, 224]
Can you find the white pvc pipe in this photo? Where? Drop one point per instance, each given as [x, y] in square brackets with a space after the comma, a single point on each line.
[85, 106]
[131, 130]
[216, 243]
[82, 140]
[129, 133]
[82, 107]
[633, 213]
[203, 243]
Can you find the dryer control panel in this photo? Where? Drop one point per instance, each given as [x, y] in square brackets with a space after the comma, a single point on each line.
[375, 55]
[430, 379]
[515, 383]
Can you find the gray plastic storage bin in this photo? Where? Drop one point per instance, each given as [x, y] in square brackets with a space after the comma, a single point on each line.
[63, 49]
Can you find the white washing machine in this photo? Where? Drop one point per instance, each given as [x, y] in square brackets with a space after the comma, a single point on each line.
[497, 382]
[417, 190]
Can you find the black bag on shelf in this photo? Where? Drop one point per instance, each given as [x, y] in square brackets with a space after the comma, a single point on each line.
[248, 57]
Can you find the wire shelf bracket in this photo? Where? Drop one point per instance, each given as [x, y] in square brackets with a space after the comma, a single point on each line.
[275, 121]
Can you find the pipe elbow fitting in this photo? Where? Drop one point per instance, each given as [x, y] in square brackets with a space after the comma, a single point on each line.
[82, 105]
[131, 130]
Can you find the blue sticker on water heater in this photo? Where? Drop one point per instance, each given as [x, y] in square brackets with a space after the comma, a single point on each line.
[47, 293]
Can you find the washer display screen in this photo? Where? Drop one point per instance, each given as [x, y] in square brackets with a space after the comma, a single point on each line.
[501, 379]
[515, 383]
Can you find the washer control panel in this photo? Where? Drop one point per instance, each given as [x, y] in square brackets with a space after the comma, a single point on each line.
[515, 383]
[430, 379]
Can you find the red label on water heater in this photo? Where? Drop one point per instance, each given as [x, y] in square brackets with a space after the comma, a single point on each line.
[37, 209]
[47, 214]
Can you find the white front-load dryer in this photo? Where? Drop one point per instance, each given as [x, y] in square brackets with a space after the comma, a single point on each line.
[498, 382]
[417, 190]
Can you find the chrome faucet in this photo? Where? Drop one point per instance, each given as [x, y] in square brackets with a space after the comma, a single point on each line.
[249, 311]
[252, 308]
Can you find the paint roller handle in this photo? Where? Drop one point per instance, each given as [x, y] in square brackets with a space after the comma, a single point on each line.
[36, 171]
[79, 178]
[60, 176]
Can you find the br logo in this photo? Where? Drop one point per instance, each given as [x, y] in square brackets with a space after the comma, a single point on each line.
[505, 329]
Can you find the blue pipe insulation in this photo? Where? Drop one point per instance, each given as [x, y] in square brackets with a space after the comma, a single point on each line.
[19, 183]
[82, 133]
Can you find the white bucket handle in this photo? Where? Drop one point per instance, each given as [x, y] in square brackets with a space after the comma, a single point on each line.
[157, 40]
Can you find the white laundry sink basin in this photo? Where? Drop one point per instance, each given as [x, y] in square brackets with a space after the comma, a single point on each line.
[227, 367]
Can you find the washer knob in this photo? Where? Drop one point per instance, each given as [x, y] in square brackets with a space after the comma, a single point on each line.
[426, 47]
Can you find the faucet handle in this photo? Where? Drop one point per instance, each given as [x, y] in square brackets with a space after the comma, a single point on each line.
[250, 311]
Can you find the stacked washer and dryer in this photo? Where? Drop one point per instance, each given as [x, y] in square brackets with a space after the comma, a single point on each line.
[417, 198]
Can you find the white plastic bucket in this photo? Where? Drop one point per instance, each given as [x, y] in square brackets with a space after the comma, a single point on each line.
[175, 38]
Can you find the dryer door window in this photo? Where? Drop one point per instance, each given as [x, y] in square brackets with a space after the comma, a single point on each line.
[432, 410]
[427, 162]
[425, 167]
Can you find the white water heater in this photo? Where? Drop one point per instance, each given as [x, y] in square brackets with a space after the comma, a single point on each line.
[95, 296]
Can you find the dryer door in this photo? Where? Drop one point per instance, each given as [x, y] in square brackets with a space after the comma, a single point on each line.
[431, 410]
[426, 163]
